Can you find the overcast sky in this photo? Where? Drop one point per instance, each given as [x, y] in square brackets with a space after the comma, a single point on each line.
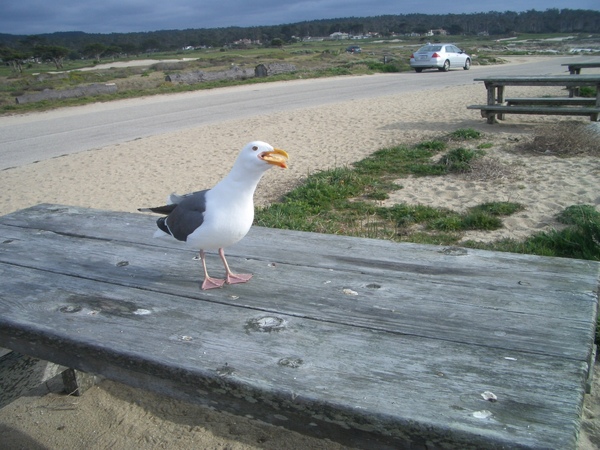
[122, 16]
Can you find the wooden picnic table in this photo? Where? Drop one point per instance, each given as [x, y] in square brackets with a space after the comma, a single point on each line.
[575, 67]
[496, 86]
[370, 343]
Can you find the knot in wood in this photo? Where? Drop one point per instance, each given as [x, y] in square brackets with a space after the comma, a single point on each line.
[70, 309]
[294, 363]
[266, 324]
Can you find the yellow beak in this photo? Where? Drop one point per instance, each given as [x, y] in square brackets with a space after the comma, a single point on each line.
[277, 157]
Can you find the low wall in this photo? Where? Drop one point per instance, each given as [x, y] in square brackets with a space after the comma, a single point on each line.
[235, 73]
[79, 91]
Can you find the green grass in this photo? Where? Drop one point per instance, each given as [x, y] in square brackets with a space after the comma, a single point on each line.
[580, 238]
[587, 91]
[465, 134]
[459, 159]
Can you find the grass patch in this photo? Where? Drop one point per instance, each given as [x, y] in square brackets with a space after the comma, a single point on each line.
[484, 217]
[498, 208]
[399, 160]
[465, 134]
[459, 160]
[324, 190]
[579, 239]
[587, 91]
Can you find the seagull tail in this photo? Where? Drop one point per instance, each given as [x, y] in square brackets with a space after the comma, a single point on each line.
[166, 209]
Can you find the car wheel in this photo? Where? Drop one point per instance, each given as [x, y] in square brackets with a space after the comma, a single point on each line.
[467, 64]
[418, 70]
[445, 67]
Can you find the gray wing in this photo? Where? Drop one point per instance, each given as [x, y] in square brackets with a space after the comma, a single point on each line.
[187, 215]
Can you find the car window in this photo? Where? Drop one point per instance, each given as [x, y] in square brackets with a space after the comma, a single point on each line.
[430, 48]
[451, 49]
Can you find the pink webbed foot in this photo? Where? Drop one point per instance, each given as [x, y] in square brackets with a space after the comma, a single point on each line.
[230, 277]
[235, 278]
[209, 282]
[212, 283]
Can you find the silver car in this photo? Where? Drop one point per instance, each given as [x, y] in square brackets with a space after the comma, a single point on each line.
[439, 56]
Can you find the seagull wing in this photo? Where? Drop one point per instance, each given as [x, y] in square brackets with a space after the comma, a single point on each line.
[186, 217]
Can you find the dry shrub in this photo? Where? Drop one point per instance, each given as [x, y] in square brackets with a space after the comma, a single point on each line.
[564, 139]
[488, 169]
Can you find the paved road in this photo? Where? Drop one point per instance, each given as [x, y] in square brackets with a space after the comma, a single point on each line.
[28, 138]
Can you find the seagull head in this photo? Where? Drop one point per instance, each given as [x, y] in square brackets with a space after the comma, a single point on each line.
[260, 156]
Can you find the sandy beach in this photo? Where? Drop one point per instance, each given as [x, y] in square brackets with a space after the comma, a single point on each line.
[140, 173]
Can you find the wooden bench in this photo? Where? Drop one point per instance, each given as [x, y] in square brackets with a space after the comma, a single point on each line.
[369, 343]
[491, 111]
[495, 86]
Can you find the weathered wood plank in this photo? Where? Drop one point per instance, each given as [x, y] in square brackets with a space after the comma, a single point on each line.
[444, 296]
[541, 80]
[302, 372]
[540, 110]
[562, 101]
[19, 374]
[490, 112]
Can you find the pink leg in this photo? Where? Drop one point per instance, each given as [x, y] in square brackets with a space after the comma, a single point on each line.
[233, 278]
[209, 283]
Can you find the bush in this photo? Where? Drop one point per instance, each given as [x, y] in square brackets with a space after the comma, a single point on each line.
[459, 159]
[381, 67]
[564, 139]
[465, 134]
[587, 91]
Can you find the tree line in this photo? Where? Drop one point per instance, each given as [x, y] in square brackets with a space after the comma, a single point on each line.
[55, 47]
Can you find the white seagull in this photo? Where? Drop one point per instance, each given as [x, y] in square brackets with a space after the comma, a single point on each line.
[215, 218]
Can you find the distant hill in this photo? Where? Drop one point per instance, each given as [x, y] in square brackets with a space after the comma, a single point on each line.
[492, 23]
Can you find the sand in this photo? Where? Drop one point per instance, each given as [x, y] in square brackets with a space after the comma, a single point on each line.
[141, 172]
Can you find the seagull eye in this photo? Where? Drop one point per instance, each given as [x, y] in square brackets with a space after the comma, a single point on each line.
[255, 148]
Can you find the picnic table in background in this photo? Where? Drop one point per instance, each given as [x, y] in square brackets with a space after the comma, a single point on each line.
[575, 68]
[496, 106]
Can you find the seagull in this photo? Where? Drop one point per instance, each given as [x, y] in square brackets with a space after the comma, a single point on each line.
[216, 218]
